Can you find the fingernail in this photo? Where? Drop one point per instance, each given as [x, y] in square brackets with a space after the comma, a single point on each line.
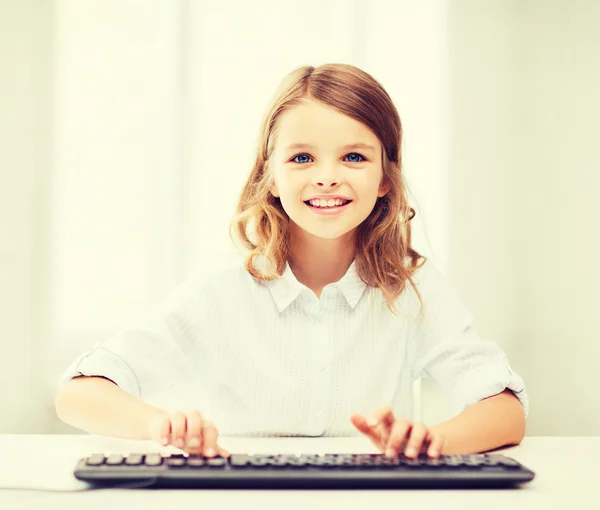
[179, 443]
[390, 453]
[194, 441]
[210, 452]
[372, 422]
[410, 451]
[165, 440]
[433, 452]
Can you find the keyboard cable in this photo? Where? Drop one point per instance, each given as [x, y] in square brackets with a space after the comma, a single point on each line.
[131, 485]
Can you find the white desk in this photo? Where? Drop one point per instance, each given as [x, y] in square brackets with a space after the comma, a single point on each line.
[567, 476]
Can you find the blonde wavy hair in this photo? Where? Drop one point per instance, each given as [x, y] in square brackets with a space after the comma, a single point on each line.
[384, 257]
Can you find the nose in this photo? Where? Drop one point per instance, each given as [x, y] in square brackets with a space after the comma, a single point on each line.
[327, 183]
[328, 177]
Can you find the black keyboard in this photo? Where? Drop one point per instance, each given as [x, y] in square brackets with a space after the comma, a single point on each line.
[327, 471]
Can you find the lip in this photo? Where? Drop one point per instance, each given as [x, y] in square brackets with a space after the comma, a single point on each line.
[330, 211]
[327, 197]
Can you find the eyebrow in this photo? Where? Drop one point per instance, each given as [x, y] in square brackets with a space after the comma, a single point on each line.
[345, 147]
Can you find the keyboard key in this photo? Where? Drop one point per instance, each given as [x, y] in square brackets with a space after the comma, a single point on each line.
[239, 460]
[491, 461]
[473, 463]
[297, 462]
[327, 464]
[390, 463]
[176, 462]
[216, 462]
[412, 463]
[278, 462]
[95, 459]
[115, 459]
[508, 462]
[259, 463]
[153, 459]
[134, 459]
[196, 462]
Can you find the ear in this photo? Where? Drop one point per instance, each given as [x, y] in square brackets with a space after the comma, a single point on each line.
[384, 187]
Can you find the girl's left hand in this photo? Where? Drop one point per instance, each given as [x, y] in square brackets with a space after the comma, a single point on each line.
[394, 436]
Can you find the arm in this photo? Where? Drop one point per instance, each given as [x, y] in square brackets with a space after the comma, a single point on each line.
[487, 395]
[493, 422]
[106, 388]
[99, 406]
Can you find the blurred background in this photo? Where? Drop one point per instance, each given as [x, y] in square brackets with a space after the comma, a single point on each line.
[127, 128]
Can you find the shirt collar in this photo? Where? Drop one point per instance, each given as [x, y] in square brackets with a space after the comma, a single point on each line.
[286, 289]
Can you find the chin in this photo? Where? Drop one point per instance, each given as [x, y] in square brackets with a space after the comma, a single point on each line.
[325, 228]
[327, 233]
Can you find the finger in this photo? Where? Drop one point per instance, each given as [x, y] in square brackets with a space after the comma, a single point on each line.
[436, 446]
[223, 452]
[418, 434]
[178, 426]
[210, 435]
[164, 430]
[194, 432]
[384, 433]
[398, 436]
[384, 418]
[360, 422]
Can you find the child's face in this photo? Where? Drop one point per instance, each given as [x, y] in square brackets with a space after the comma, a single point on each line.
[326, 168]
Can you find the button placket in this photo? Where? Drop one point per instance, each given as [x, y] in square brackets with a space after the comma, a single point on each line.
[321, 357]
[323, 396]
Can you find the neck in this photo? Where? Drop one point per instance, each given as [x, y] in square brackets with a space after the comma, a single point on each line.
[317, 262]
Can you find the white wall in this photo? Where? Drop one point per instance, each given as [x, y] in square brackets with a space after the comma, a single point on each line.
[485, 80]
[559, 238]
[524, 180]
[120, 119]
[25, 149]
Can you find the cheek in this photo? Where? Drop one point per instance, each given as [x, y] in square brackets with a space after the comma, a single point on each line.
[290, 199]
[367, 189]
[290, 190]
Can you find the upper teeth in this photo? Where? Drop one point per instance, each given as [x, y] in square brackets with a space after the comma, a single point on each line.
[326, 203]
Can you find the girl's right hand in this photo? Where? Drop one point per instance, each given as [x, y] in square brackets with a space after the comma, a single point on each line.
[188, 432]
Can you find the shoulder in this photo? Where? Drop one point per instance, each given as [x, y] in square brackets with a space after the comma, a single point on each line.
[441, 306]
[209, 290]
[206, 286]
[226, 277]
[427, 275]
[430, 282]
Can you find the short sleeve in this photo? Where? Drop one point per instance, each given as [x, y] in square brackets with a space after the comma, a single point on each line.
[148, 357]
[448, 350]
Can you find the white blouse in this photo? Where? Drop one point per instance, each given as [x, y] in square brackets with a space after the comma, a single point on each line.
[270, 358]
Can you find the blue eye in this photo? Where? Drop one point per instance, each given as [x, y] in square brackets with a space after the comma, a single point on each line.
[299, 155]
[360, 156]
[351, 153]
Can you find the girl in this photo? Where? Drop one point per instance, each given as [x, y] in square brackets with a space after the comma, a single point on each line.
[331, 317]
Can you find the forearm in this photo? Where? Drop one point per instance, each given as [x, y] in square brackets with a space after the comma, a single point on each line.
[491, 423]
[99, 406]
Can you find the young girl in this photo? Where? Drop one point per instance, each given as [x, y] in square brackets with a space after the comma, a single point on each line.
[331, 317]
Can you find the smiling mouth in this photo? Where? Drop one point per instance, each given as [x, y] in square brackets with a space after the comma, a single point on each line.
[344, 202]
